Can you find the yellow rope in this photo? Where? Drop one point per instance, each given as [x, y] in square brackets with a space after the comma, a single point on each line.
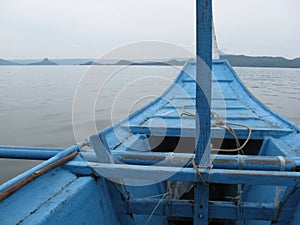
[186, 113]
[198, 172]
[224, 125]
[235, 136]
[228, 127]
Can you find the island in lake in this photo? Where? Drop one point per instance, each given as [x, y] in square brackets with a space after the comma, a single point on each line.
[235, 60]
[261, 61]
[4, 62]
[45, 62]
[123, 62]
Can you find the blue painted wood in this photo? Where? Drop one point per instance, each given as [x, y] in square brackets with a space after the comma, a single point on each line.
[218, 176]
[19, 206]
[203, 79]
[264, 123]
[112, 203]
[32, 148]
[20, 177]
[27, 154]
[264, 163]
[186, 129]
[21, 152]
[203, 104]
[79, 202]
[60, 197]
[296, 215]
[217, 210]
[289, 200]
[103, 154]
[76, 194]
[281, 139]
[269, 163]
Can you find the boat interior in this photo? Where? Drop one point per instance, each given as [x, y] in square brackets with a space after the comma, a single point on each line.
[128, 174]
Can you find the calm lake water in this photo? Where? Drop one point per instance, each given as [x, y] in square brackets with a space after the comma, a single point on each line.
[36, 101]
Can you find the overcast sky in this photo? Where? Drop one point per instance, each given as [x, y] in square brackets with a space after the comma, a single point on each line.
[90, 28]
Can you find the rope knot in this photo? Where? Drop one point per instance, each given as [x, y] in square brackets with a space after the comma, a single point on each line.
[220, 123]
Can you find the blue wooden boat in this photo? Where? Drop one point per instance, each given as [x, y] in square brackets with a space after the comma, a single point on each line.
[243, 167]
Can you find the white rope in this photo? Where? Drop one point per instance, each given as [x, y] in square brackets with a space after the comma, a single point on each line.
[278, 189]
[155, 208]
[282, 163]
[210, 173]
[169, 158]
[154, 196]
[240, 161]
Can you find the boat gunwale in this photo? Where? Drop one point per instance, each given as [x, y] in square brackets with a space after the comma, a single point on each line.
[247, 92]
[259, 102]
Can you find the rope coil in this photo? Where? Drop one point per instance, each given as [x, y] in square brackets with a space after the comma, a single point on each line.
[221, 123]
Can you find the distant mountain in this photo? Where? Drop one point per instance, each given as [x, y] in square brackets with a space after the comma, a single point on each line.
[70, 61]
[261, 61]
[57, 61]
[90, 63]
[103, 62]
[45, 61]
[175, 62]
[122, 62]
[172, 62]
[7, 63]
[235, 60]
